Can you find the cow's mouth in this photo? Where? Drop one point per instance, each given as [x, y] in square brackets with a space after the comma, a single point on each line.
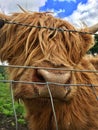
[57, 94]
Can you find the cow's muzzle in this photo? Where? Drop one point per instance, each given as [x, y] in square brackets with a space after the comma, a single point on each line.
[55, 82]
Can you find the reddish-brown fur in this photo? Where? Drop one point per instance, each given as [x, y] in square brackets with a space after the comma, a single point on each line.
[47, 48]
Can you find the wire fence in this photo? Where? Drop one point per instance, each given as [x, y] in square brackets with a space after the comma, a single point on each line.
[45, 27]
[11, 82]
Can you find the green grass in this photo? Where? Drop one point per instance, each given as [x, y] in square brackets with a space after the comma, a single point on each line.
[6, 106]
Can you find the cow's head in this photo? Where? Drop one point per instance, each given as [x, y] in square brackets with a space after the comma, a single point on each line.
[42, 47]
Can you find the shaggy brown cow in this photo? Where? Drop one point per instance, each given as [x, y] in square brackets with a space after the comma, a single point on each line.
[76, 107]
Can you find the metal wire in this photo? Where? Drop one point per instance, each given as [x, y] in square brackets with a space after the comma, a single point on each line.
[92, 86]
[94, 91]
[46, 68]
[13, 104]
[51, 98]
[45, 83]
[45, 27]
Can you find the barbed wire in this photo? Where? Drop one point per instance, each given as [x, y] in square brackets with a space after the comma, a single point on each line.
[45, 27]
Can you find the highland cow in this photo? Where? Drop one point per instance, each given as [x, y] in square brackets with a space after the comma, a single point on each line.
[76, 107]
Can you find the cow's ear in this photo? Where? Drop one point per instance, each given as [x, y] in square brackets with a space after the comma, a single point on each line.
[2, 22]
[88, 37]
[87, 40]
[3, 19]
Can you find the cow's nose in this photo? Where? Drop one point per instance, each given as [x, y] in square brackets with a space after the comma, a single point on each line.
[48, 76]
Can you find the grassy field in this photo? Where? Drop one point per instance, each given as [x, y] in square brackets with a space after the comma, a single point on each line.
[6, 107]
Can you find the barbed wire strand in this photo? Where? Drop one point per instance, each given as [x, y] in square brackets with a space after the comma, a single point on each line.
[45, 27]
[13, 105]
[52, 104]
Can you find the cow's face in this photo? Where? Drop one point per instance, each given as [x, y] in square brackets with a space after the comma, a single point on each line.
[43, 47]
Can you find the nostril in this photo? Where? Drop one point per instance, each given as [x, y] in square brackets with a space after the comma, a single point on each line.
[40, 77]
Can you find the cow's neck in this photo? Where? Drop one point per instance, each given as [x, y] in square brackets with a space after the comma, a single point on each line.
[70, 116]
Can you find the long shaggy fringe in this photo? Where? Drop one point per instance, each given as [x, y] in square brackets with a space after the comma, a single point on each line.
[26, 46]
